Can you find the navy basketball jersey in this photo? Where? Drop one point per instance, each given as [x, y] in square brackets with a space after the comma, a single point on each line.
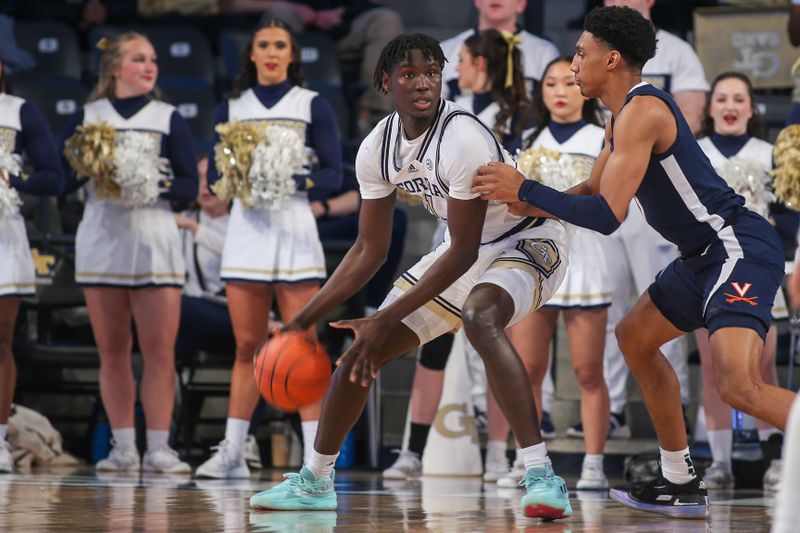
[682, 196]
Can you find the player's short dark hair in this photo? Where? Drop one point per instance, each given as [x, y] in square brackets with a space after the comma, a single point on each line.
[625, 30]
[399, 50]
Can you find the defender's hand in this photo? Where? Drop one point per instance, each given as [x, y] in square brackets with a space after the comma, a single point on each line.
[498, 181]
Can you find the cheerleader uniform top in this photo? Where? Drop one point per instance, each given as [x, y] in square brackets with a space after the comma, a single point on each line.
[137, 247]
[142, 113]
[483, 106]
[295, 107]
[24, 131]
[587, 283]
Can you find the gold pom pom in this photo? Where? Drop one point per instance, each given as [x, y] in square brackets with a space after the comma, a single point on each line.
[531, 160]
[233, 155]
[405, 196]
[90, 153]
[787, 166]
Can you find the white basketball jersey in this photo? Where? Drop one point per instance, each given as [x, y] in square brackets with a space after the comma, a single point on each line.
[154, 117]
[10, 122]
[754, 150]
[292, 111]
[439, 164]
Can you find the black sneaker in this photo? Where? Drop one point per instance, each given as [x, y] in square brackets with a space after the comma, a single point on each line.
[617, 428]
[689, 500]
[546, 426]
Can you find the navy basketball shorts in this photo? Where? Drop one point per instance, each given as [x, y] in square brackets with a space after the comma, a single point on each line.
[731, 284]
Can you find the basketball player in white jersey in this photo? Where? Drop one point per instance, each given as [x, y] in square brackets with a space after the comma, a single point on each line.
[491, 271]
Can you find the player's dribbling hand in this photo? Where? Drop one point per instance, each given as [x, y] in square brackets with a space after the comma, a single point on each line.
[498, 181]
[363, 356]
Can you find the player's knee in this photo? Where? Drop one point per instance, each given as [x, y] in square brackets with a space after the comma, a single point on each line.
[739, 393]
[628, 338]
[480, 321]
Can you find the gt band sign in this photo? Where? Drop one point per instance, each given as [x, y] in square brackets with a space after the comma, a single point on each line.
[751, 40]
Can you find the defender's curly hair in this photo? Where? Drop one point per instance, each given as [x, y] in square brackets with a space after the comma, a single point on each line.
[625, 30]
[399, 50]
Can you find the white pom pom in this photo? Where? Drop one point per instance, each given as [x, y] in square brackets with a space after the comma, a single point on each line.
[138, 168]
[275, 162]
[750, 180]
[10, 165]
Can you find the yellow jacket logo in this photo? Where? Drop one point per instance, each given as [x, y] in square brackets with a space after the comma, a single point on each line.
[43, 263]
[453, 421]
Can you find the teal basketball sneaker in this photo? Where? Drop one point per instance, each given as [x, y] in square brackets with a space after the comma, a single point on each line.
[546, 494]
[298, 492]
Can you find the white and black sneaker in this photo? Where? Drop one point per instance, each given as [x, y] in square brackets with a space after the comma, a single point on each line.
[689, 500]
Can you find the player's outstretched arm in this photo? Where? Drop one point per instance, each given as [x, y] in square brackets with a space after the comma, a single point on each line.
[465, 221]
[646, 125]
[360, 263]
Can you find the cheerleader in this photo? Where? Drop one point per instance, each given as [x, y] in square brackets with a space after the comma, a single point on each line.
[271, 252]
[732, 132]
[23, 132]
[488, 87]
[569, 124]
[128, 256]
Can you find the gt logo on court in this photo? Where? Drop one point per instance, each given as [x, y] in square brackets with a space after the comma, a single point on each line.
[461, 425]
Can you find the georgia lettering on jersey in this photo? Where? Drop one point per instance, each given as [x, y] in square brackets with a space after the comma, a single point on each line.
[438, 165]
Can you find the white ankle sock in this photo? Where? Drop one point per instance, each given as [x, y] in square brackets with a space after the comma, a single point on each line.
[721, 442]
[236, 432]
[535, 455]
[321, 465]
[3, 429]
[496, 448]
[677, 467]
[593, 460]
[309, 434]
[124, 438]
[156, 439]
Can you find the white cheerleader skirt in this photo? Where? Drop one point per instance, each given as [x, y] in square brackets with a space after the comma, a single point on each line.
[587, 283]
[17, 274]
[124, 247]
[273, 246]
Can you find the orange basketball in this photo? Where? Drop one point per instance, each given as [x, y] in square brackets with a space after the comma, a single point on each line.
[292, 370]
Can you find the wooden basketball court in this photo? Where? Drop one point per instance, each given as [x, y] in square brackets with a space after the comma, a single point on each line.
[83, 500]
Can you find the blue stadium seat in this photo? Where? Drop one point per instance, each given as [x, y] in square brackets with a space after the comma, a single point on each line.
[58, 100]
[197, 107]
[53, 45]
[231, 45]
[319, 58]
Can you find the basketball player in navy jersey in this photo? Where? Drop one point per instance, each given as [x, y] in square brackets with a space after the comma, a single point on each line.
[731, 262]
